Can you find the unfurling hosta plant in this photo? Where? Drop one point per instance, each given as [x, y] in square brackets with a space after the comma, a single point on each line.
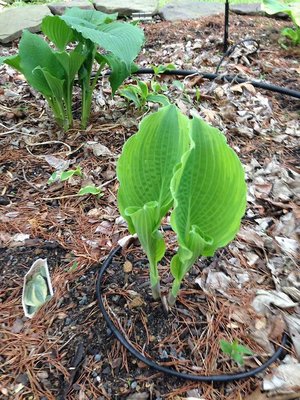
[292, 9]
[52, 71]
[184, 165]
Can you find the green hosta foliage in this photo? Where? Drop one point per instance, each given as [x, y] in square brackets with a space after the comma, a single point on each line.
[52, 71]
[145, 170]
[292, 9]
[184, 165]
[235, 350]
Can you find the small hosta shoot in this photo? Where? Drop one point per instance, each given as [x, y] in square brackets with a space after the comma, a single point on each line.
[52, 71]
[174, 163]
[37, 288]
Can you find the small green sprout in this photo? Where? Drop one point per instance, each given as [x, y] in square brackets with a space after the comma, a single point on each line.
[160, 69]
[139, 94]
[73, 267]
[90, 189]
[235, 350]
[64, 175]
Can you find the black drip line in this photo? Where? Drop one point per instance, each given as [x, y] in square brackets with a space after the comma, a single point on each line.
[226, 78]
[198, 378]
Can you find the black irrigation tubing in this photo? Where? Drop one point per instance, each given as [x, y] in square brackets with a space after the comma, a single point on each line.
[198, 378]
[228, 78]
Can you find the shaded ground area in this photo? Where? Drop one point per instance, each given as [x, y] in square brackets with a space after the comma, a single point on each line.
[66, 350]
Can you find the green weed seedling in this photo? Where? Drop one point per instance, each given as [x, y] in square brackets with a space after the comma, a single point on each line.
[97, 40]
[235, 350]
[139, 94]
[90, 189]
[292, 9]
[185, 166]
[160, 69]
[64, 175]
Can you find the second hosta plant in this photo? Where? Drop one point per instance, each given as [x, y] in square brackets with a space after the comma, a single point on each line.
[184, 166]
[81, 40]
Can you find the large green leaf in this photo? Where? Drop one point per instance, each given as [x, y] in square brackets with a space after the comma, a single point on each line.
[147, 163]
[119, 69]
[35, 52]
[209, 193]
[93, 17]
[71, 62]
[121, 39]
[56, 85]
[145, 170]
[292, 9]
[57, 31]
[13, 61]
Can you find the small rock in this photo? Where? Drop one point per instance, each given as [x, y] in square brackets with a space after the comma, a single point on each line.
[108, 332]
[4, 391]
[97, 357]
[23, 379]
[106, 371]
[84, 300]
[4, 201]
[127, 267]
[42, 375]
[136, 302]
[163, 354]
[138, 396]
[60, 8]
[17, 326]
[115, 298]
[133, 385]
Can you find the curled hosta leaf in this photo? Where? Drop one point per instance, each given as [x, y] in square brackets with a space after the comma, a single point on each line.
[145, 170]
[37, 288]
[209, 193]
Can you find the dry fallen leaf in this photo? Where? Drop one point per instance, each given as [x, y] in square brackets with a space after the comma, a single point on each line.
[264, 299]
[136, 302]
[284, 377]
[256, 395]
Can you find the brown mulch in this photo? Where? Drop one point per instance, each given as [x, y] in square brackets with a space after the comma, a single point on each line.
[66, 351]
